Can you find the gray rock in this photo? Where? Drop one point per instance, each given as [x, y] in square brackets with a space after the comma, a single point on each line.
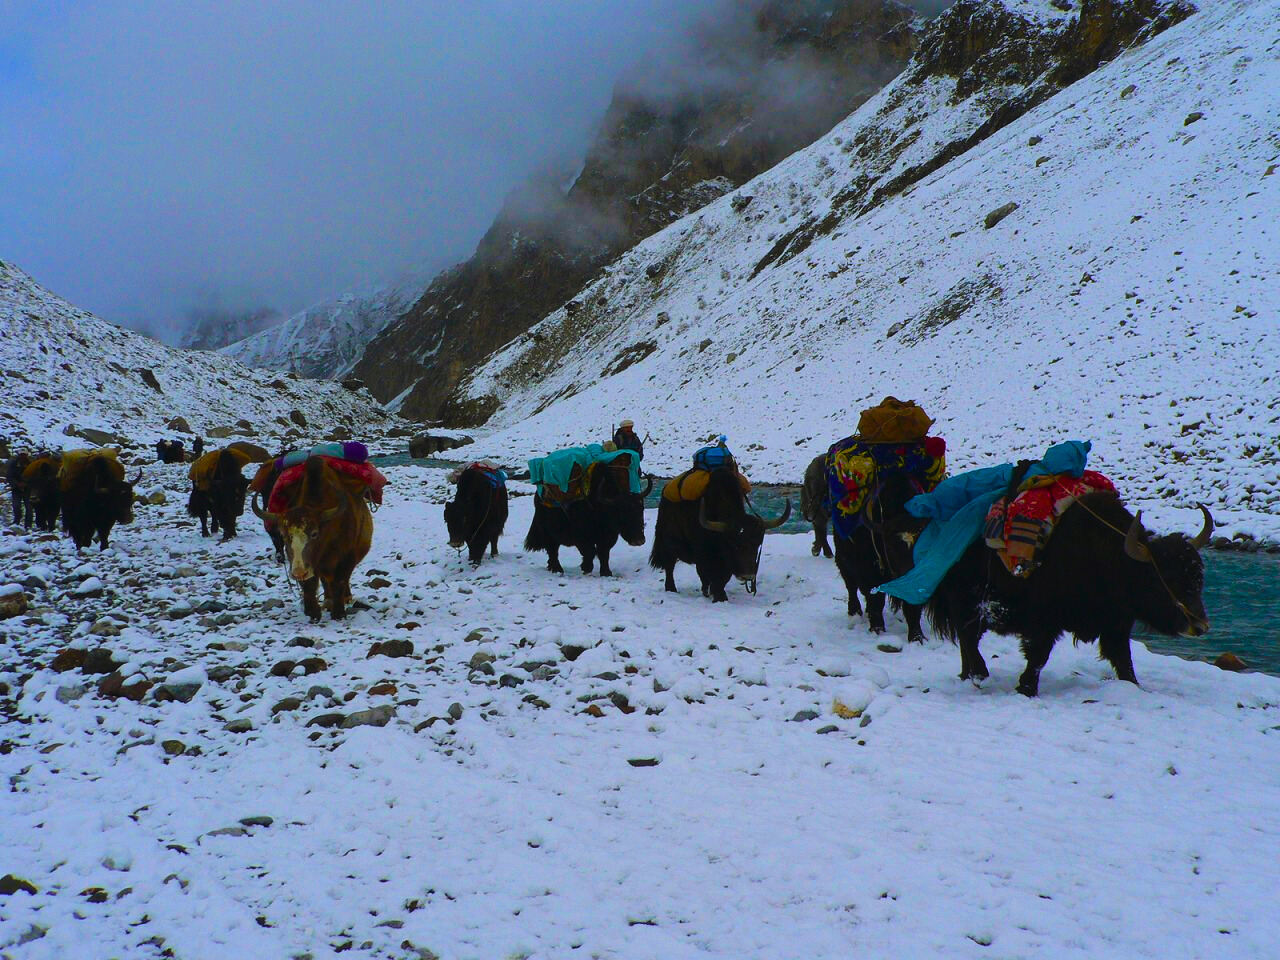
[235, 646]
[71, 693]
[229, 832]
[288, 703]
[373, 717]
[802, 715]
[829, 728]
[479, 658]
[326, 720]
[998, 214]
[242, 725]
[455, 711]
[174, 748]
[318, 691]
[257, 821]
[221, 673]
[183, 691]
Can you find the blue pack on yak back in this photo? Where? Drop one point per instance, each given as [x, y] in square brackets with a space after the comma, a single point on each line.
[714, 457]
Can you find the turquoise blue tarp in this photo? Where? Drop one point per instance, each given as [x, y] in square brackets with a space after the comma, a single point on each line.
[556, 466]
[957, 508]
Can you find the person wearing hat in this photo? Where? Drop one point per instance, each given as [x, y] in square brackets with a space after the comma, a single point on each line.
[626, 439]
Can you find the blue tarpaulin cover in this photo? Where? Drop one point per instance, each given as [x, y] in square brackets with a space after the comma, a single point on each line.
[957, 509]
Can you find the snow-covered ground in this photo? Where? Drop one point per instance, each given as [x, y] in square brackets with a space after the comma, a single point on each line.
[1101, 820]
[1132, 297]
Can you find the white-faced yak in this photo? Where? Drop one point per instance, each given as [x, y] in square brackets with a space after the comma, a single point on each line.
[1100, 573]
[327, 530]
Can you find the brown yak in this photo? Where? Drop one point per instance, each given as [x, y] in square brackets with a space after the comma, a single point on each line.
[327, 529]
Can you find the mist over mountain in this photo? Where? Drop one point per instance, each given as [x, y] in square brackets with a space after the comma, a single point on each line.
[737, 93]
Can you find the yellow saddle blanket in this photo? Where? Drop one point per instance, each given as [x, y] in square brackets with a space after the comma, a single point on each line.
[692, 484]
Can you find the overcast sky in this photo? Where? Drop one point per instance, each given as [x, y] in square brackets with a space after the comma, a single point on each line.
[156, 153]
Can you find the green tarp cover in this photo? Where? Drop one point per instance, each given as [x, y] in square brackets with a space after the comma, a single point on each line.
[556, 466]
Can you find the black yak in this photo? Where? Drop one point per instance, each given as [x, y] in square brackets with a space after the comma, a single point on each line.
[716, 533]
[879, 550]
[477, 513]
[1099, 573]
[218, 491]
[95, 496]
[813, 504]
[594, 524]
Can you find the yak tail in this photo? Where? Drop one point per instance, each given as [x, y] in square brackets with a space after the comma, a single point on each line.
[536, 538]
[942, 618]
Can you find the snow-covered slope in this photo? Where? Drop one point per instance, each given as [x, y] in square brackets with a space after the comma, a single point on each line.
[326, 340]
[63, 367]
[1131, 297]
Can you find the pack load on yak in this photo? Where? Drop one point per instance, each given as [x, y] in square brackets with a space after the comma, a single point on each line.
[564, 476]
[892, 438]
[956, 513]
[705, 518]
[348, 457]
[692, 484]
[1018, 526]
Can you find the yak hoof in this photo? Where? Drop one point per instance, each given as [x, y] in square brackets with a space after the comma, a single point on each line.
[1029, 689]
[815, 550]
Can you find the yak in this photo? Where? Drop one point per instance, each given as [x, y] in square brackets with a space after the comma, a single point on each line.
[594, 524]
[263, 482]
[813, 504]
[95, 497]
[13, 476]
[715, 533]
[477, 513]
[879, 550]
[1100, 572]
[327, 530]
[218, 492]
[169, 451]
[43, 490]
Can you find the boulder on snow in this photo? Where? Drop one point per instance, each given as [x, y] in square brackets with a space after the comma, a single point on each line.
[998, 214]
[1229, 661]
[178, 425]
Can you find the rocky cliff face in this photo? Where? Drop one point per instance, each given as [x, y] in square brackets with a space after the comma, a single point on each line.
[676, 137]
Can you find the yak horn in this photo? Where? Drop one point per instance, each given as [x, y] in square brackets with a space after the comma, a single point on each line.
[774, 524]
[1201, 539]
[262, 514]
[713, 525]
[1135, 541]
[134, 481]
[333, 512]
[649, 488]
